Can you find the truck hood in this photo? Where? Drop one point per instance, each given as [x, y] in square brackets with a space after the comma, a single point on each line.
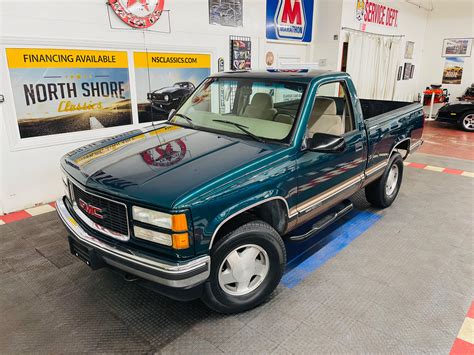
[157, 165]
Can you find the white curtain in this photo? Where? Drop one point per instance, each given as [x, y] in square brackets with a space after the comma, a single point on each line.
[372, 62]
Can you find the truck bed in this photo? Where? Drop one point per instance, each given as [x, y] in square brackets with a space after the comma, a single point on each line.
[372, 108]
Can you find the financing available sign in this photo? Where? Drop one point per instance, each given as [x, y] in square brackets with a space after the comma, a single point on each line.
[290, 20]
[66, 90]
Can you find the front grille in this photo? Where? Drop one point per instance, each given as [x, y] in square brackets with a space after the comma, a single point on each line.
[114, 213]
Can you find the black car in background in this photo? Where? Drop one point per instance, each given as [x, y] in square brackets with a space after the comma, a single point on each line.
[460, 113]
[170, 97]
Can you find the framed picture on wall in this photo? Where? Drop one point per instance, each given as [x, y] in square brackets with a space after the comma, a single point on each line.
[240, 53]
[457, 47]
[412, 71]
[399, 75]
[406, 71]
[409, 48]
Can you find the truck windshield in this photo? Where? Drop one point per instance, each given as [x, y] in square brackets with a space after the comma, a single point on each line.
[257, 108]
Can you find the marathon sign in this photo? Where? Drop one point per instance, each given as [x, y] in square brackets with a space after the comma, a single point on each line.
[372, 12]
[290, 20]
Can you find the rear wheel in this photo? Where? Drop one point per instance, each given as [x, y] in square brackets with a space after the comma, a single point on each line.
[467, 122]
[247, 265]
[383, 191]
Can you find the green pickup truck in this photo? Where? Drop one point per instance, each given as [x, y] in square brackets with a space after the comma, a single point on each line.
[201, 205]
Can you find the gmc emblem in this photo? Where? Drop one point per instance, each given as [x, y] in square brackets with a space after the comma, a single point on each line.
[91, 210]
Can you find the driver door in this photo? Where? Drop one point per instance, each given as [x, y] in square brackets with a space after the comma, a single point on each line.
[325, 179]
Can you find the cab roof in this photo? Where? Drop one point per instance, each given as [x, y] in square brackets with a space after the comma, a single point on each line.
[300, 75]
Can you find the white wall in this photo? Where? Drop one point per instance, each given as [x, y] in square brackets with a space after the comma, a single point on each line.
[29, 168]
[324, 49]
[449, 19]
[411, 25]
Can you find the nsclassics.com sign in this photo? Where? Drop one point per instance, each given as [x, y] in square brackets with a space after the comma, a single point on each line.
[290, 20]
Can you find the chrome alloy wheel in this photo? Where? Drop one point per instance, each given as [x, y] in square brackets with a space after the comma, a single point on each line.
[468, 122]
[243, 270]
[392, 180]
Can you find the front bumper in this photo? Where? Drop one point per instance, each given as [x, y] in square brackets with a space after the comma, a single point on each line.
[171, 275]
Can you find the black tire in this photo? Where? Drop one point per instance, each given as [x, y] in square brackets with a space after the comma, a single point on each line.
[465, 124]
[376, 192]
[256, 233]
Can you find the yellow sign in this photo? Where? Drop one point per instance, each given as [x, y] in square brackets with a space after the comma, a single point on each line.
[65, 58]
[171, 60]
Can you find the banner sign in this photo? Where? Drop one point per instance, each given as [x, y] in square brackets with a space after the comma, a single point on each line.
[66, 90]
[452, 73]
[290, 20]
[165, 80]
[372, 12]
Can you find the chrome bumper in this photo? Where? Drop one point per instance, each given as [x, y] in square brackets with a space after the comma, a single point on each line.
[180, 275]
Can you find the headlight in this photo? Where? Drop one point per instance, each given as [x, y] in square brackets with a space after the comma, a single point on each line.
[167, 98]
[153, 236]
[155, 218]
[176, 223]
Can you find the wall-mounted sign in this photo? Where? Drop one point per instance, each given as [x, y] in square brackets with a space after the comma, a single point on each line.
[459, 47]
[165, 80]
[409, 49]
[372, 12]
[226, 12]
[138, 13]
[269, 58]
[452, 73]
[220, 64]
[240, 53]
[65, 90]
[290, 20]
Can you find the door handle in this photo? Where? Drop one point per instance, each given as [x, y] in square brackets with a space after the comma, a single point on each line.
[359, 146]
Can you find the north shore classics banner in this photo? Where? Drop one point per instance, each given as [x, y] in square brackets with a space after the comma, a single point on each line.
[65, 90]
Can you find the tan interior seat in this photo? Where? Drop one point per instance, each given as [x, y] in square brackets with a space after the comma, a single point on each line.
[283, 118]
[324, 118]
[260, 107]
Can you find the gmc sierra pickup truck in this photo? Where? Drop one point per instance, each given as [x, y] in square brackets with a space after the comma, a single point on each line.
[201, 205]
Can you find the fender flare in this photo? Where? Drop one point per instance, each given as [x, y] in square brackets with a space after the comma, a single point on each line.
[246, 205]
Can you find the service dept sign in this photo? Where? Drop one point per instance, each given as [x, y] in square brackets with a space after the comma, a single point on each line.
[290, 20]
[372, 12]
[138, 13]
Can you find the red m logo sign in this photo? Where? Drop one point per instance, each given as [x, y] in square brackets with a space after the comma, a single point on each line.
[292, 13]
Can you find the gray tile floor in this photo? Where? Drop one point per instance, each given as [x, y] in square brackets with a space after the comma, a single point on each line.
[404, 286]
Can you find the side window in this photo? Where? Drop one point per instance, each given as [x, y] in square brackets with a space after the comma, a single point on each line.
[332, 113]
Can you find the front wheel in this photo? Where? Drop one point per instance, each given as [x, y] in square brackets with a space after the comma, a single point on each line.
[246, 266]
[467, 122]
[383, 191]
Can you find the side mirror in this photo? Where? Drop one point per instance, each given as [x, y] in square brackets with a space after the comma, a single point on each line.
[327, 143]
[171, 113]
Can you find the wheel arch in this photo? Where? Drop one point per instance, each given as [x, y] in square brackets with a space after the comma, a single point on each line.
[273, 210]
[402, 144]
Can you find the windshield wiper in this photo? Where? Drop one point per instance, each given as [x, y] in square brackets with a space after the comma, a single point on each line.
[242, 128]
[190, 121]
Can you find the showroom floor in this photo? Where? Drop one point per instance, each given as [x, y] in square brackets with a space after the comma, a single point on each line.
[401, 284]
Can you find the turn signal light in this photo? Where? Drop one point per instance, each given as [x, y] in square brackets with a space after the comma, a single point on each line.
[179, 223]
[181, 241]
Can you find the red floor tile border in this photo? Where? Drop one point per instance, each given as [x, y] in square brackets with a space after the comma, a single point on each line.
[464, 342]
[15, 216]
[439, 169]
[20, 215]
